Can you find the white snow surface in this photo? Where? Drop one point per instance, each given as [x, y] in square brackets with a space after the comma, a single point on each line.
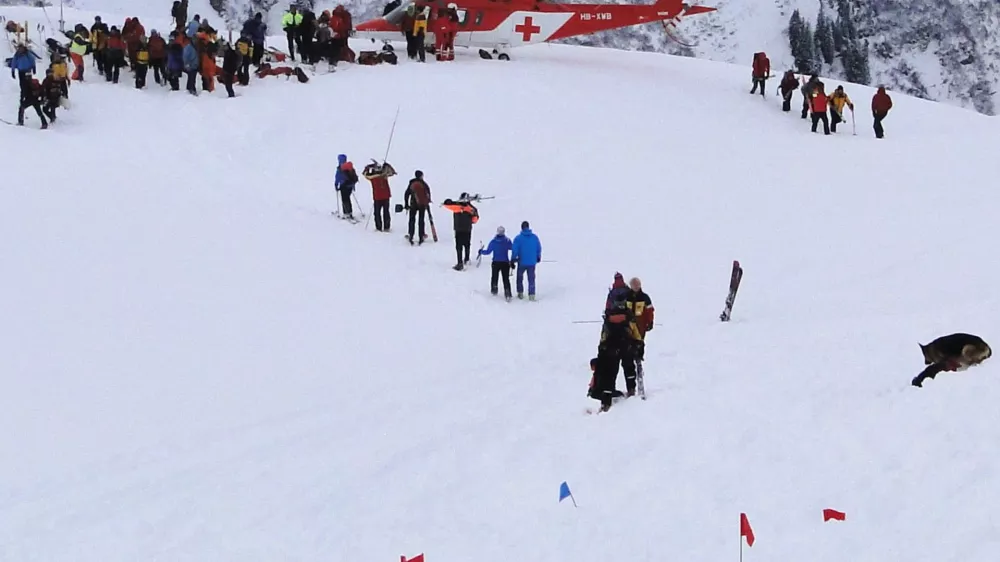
[200, 363]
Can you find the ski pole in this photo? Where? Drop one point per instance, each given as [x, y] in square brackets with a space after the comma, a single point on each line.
[369, 219]
[356, 202]
[391, 133]
[853, 125]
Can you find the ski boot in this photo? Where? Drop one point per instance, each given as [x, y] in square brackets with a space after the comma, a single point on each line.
[531, 298]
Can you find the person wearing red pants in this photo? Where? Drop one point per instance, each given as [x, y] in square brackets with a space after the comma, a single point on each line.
[445, 29]
[77, 49]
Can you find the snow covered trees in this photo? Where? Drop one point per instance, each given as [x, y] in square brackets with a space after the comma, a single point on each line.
[830, 41]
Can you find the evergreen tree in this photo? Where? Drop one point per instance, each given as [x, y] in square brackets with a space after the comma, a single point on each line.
[817, 65]
[837, 31]
[824, 37]
[800, 37]
[808, 52]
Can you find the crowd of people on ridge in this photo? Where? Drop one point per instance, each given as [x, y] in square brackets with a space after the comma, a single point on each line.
[815, 101]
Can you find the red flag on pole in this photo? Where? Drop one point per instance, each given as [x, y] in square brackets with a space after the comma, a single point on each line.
[417, 558]
[745, 529]
[829, 514]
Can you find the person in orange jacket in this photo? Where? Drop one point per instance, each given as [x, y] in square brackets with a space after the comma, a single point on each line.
[881, 104]
[818, 105]
[207, 50]
[466, 215]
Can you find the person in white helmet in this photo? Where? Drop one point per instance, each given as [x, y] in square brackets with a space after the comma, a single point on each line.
[500, 248]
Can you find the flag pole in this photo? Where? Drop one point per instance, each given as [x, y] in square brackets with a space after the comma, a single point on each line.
[741, 538]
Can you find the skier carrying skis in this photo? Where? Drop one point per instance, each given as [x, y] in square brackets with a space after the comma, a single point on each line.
[787, 88]
[344, 182]
[500, 247]
[466, 215]
[526, 252]
[378, 175]
[618, 339]
[417, 200]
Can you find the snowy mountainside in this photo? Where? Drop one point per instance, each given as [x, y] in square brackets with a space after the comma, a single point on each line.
[202, 364]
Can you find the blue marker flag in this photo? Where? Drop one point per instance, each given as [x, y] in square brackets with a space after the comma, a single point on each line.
[565, 493]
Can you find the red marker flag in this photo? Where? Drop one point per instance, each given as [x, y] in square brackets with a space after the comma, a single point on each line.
[417, 558]
[745, 529]
[829, 514]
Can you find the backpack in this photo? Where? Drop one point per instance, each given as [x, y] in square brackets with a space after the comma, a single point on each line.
[388, 56]
[368, 58]
[419, 191]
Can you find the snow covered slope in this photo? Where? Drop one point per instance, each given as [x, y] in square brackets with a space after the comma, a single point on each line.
[201, 364]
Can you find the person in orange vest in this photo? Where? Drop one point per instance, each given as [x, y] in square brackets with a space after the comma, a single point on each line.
[761, 72]
[881, 104]
[818, 105]
[466, 215]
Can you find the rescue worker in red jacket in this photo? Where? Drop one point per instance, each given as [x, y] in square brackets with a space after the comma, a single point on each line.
[761, 72]
[445, 28]
[787, 88]
[378, 175]
[818, 105]
[881, 104]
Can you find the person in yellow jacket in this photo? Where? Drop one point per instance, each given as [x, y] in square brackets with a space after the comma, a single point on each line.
[141, 62]
[290, 22]
[77, 49]
[420, 18]
[837, 102]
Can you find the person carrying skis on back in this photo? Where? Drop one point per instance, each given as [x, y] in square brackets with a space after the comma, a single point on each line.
[417, 200]
[526, 253]
[378, 175]
[787, 88]
[499, 247]
[837, 102]
[761, 72]
[466, 215]
[344, 182]
[881, 104]
[617, 341]
[23, 62]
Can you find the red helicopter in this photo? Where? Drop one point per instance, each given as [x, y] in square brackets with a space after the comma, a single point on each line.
[499, 25]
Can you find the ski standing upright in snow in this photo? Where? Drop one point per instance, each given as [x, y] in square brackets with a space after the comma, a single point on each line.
[734, 286]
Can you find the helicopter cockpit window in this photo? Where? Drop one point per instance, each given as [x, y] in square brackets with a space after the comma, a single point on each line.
[395, 17]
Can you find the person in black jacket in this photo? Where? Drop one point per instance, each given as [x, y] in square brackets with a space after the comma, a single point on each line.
[52, 91]
[417, 200]
[31, 96]
[230, 65]
[466, 215]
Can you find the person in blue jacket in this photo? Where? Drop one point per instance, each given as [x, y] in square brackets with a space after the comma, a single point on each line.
[191, 63]
[175, 62]
[23, 62]
[526, 252]
[344, 182]
[500, 247]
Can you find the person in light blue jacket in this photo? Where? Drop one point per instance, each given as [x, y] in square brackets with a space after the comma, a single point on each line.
[192, 27]
[526, 252]
[191, 63]
[500, 247]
